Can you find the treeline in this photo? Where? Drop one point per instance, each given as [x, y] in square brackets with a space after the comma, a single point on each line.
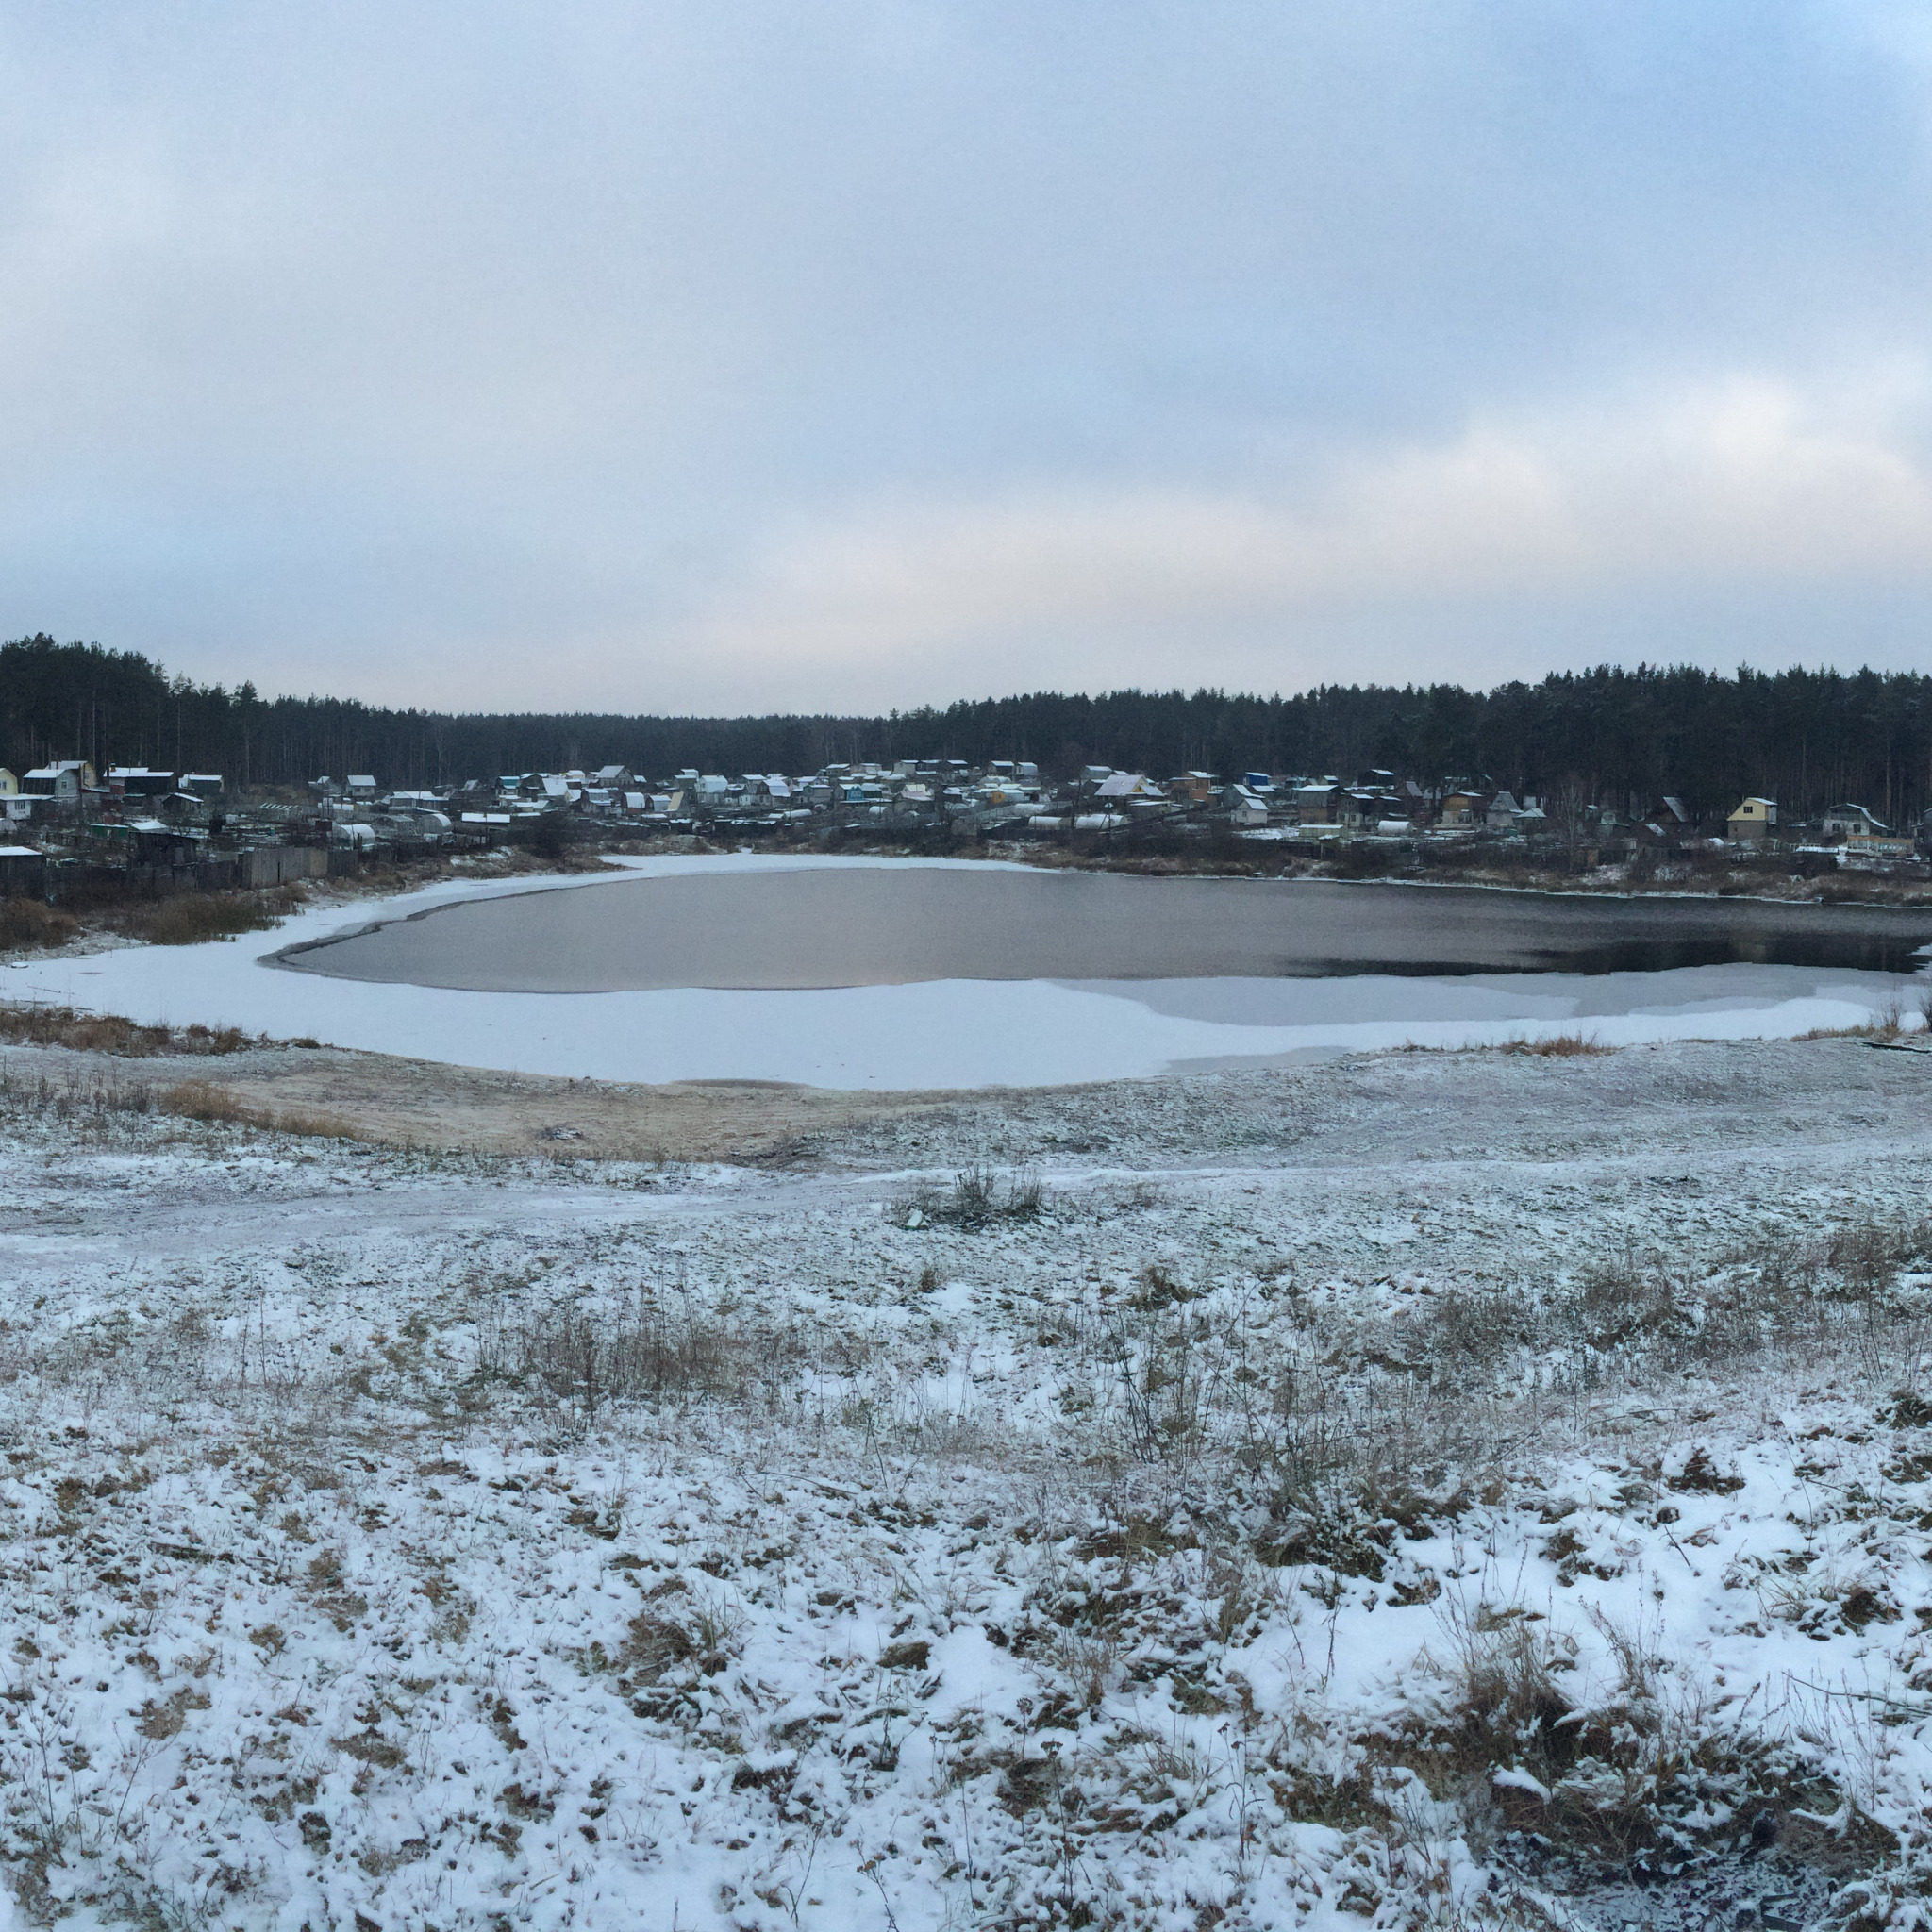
[1807, 738]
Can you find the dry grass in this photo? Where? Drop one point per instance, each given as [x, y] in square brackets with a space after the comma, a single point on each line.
[209, 1101]
[92, 1101]
[39, 1025]
[187, 919]
[977, 1198]
[1559, 1047]
[28, 926]
[584, 1358]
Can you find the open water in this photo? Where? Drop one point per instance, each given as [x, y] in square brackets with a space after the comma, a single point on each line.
[878, 926]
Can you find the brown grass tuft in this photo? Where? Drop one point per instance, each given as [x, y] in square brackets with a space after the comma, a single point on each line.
[37, 1025]
[207, 1100]
[187, 919]
[26, 925]
[1561, 1046]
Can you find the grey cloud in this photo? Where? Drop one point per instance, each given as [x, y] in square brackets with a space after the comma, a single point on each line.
[357, 345]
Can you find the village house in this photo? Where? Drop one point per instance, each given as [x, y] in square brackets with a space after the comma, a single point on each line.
[139, 781]
[1463, 808]
[64, 781]
[23, 870]
[10, 784]
[1317, 801]
[1753, 821]
[1246, 809]
[1128, 785]
[1850, 822]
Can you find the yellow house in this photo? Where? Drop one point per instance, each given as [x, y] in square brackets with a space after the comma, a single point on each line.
[10, 784]
[1755, 818]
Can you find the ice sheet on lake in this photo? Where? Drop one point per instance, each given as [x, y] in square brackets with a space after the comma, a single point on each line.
[945, 1033]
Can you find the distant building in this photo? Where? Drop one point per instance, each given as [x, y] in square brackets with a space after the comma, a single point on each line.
[1850, 822]
[64, 781]
[1246, 809]
[140, 781]
[1319, 802]
[23, 870]
[1128, 785]
[1754, 821]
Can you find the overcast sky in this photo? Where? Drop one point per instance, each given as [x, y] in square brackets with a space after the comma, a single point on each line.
[734, 356]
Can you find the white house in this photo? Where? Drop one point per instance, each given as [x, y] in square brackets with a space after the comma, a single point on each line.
[1246, 808]
[64, 780]
[1850, 821]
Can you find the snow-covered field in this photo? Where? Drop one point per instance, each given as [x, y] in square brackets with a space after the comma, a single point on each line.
[941, 1034]
[1418, 1490]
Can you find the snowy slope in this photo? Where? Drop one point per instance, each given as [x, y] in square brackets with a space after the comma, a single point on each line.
[1344, 1522]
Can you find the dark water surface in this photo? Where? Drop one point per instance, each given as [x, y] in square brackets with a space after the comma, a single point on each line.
[891, 925]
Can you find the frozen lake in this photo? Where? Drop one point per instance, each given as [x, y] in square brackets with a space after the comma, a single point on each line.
[877, 927]
[947, 973]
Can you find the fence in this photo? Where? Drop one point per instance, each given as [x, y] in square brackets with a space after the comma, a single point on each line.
[259, 867]
[276, 865]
